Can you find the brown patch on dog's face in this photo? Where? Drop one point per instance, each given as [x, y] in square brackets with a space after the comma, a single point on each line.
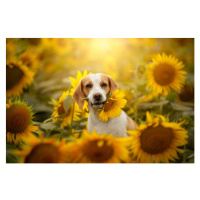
[86, 85]
[104, 84]
[111, 84]
[82, 91]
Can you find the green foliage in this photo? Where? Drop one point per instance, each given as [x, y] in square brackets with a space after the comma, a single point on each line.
[67, 102]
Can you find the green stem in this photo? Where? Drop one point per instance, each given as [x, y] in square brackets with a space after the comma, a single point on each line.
[48, 133]
[72, 113]
[21, 97]
[161, 105]
[78, 123]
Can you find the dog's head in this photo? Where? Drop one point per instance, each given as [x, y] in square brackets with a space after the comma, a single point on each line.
[95, 87]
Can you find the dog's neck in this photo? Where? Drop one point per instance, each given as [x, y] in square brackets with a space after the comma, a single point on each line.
[93, 111]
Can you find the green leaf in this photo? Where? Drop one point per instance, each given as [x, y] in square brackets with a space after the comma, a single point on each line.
[187, 104]
[51, 103]
[8, 147]
[46, 84]
[41, 107]
[188, 113]
[36, 123]
[179, 107]
[51, 118]
[172, 96]
[49, 126]
[82, 120]
[55, 87]
[108, 96]
[70, 139]
[10, 158]
[36, 134]
[190, 156]
[67, 102]
[78, 131]
[146, 105]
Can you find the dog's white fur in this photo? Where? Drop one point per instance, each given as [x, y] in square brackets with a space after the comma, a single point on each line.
[96, 79]
[116, 126]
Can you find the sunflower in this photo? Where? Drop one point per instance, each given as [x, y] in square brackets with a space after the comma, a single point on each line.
[18, 121]
[158, 140]
[165, 73]
[18, 76]
[59, 110]
[112, 107]
[42, 150]
[94, 148]
[75, 82]
[30, 60]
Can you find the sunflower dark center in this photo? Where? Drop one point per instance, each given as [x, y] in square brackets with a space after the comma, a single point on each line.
[156, 140]
[108, 105]
[164, 74]
[13, 76]
[43, 153]
[17, 118]
[97, 153]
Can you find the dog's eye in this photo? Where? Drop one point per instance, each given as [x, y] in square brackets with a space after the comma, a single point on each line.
[88, 86]
[104, 85]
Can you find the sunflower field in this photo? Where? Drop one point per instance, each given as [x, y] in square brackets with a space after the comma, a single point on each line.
[156, 89]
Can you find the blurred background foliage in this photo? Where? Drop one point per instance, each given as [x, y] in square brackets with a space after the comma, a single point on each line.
[54, 60]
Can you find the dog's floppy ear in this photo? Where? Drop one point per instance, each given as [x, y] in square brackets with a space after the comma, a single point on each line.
[113, 84]
[78, 95]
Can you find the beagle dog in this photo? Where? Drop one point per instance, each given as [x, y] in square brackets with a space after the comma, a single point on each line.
[96, 87]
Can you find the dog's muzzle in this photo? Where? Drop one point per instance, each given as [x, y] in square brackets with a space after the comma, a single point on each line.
[98, 103]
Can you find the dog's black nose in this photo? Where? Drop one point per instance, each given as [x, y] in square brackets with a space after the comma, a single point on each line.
[97, 96]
